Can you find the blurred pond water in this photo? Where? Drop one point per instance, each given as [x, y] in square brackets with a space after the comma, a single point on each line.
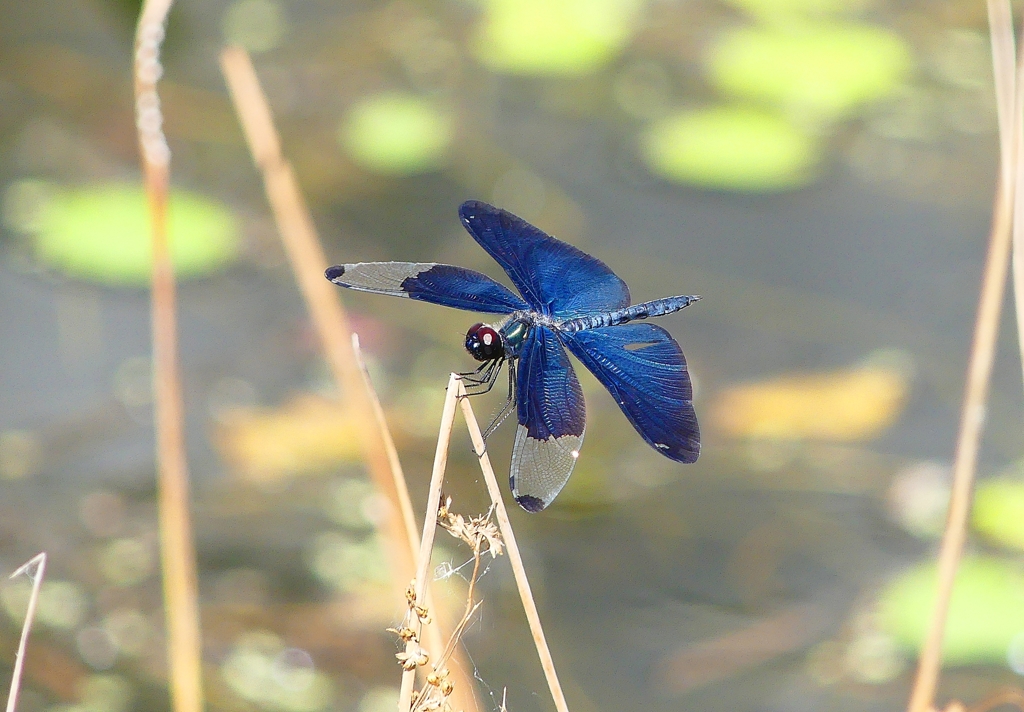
[820, 172]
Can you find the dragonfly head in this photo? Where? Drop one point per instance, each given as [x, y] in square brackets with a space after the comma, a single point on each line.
[484, 343]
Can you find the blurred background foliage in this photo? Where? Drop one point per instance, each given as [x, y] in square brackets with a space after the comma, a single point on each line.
[820, 171]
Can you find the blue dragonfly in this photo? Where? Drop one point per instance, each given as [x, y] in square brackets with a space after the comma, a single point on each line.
[567, 300]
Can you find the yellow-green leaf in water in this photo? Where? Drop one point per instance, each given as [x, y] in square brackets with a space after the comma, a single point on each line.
[102, 233]
[553, 37]
[306, 435]
[733, 148]
[998, 511]
[985, 615]
[790, 10]
[848, 405]
[397, 134]
[819, 72]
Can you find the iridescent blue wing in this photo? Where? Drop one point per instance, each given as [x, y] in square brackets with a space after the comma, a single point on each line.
[643, 368]
[429, 282]
[552, 418]
[554, 277]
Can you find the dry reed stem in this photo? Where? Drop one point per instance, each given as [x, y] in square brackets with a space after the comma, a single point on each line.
[36, 574]
[979, 372]
[522, 582]
[1012, 170]
[412, 647]
[308, 262]
[1009, 96]
[184, 646]
[1004, 55]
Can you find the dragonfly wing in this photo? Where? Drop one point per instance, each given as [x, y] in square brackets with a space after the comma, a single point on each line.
[552, 418]
[429, 282]
[643, 368]
[554, 277]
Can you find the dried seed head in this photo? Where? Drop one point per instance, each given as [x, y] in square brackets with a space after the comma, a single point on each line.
[442, 511]
[413, 660]
[480, 533]
[405, 633]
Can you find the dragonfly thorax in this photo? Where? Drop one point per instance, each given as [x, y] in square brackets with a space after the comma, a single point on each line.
[484, 343]
[514, 331]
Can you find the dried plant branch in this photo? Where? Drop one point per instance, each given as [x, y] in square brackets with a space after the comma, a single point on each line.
[478, 531]
[413, 651]
[419, 586]
[306, 256]
[35, 569]
[176, 544]
[979, 369]
[522, 582]
[482, 537]
[464, 694]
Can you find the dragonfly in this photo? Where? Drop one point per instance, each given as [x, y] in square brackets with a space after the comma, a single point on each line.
[567, 300]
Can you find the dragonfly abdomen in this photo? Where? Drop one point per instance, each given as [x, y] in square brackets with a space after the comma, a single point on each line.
[644, 310]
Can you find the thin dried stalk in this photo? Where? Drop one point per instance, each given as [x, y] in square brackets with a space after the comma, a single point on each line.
[522, 582]
[979, 371]
[306, 256]
[176, 544]
[35, 569]
[413, 651]
[388, 444]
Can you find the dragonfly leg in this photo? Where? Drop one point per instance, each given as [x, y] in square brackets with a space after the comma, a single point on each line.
[510, 402]
[474, 375]
[485, 382]
[481, 376]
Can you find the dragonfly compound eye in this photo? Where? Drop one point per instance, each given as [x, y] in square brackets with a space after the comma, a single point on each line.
[484, 343]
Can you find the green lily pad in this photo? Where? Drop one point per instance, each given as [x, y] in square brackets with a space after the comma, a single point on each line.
[985, 615]
[553, 37]
[397, 134]
[998, 511]
[818, 71]
[103, 234]
[732, 148]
